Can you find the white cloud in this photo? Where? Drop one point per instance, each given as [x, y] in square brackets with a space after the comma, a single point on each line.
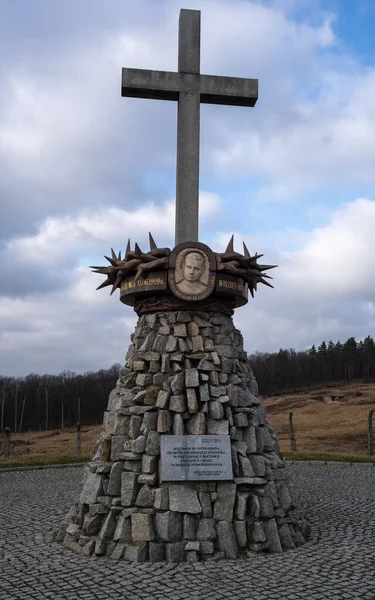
[323, 291]
[68, 130]
[87, 232]
[83, 169]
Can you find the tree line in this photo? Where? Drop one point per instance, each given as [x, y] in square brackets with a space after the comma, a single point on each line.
[38, 402]
[288, 370]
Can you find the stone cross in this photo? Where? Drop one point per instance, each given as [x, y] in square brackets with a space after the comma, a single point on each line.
[189, 88]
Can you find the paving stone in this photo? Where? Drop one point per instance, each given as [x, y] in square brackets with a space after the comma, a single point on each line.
[337, 561]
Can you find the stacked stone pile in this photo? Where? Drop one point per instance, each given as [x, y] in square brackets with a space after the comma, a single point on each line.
[186, 373]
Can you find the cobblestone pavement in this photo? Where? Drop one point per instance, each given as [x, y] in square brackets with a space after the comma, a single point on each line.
[338, 563]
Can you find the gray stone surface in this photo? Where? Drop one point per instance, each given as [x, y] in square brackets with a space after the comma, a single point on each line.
[168, 525]
[92, 488]
[142, 527]
[114, 486]
[226, 496]
[183, 498]
[337, 564]
[227, 539]
[129, 488]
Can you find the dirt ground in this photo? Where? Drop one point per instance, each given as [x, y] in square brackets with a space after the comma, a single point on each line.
[337, 426]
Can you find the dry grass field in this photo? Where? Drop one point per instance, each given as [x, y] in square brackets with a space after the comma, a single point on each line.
[339, 426]
[336, 427]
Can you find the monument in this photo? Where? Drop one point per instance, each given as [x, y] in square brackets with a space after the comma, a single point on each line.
[187, 467]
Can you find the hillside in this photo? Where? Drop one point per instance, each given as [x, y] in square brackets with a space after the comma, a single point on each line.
[339, 426]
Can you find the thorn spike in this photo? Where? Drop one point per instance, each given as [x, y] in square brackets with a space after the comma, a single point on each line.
[230, 247]
[245, 250]
[153, 246]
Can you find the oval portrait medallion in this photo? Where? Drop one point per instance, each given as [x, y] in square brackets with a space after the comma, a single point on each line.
[191, 271]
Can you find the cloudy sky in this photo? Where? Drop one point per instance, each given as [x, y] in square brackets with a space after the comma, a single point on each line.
[82, 169]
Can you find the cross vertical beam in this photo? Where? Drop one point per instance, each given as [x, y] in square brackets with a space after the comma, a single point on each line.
[189, 88]
[187, 180]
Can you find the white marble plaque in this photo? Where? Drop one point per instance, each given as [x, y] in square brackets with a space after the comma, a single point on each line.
[195, 457]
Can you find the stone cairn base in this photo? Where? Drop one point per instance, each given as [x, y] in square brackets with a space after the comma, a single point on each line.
[186, 373]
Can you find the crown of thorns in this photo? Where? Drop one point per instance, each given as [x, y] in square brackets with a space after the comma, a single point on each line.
[138, 263]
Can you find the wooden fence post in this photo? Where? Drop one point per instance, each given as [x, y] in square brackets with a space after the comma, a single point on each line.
[370, 433]
[292, 435]
[78, 439]
[7, 442]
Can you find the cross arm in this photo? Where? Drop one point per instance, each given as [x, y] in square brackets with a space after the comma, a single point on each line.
[166, 85]
[234, 91]
[158, 85]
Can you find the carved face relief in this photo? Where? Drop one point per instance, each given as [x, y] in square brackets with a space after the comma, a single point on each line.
[193, 266]
[192, 272]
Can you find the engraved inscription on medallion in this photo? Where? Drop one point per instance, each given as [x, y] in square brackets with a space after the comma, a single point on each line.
[196, 457]
[155, 282]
